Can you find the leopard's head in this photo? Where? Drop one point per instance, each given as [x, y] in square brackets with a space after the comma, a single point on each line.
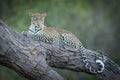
[37, 21]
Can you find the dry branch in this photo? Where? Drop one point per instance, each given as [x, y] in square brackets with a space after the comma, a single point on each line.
[34, 59]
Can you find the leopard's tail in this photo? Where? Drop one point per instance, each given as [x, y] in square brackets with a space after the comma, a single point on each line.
[87, 64]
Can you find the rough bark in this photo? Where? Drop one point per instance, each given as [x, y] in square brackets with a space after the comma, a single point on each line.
[34, 59]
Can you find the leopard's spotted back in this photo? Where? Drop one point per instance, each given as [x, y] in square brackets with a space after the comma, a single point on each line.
[59, 37]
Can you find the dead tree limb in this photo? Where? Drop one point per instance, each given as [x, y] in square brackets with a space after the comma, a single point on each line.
[34, 59]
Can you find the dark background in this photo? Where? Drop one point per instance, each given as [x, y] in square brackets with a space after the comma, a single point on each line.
[95, 22]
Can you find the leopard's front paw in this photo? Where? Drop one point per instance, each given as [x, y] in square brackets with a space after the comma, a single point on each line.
[24, 33]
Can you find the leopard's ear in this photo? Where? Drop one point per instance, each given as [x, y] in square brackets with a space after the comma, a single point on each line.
[44, 14]
[30, 14]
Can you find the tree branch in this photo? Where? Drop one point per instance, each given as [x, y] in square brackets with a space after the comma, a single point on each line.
[34, 59]
[17, 53]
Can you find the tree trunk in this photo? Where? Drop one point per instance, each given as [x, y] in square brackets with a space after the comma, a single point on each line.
[34, 59]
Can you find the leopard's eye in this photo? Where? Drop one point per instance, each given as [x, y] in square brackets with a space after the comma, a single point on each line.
[35, 18]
